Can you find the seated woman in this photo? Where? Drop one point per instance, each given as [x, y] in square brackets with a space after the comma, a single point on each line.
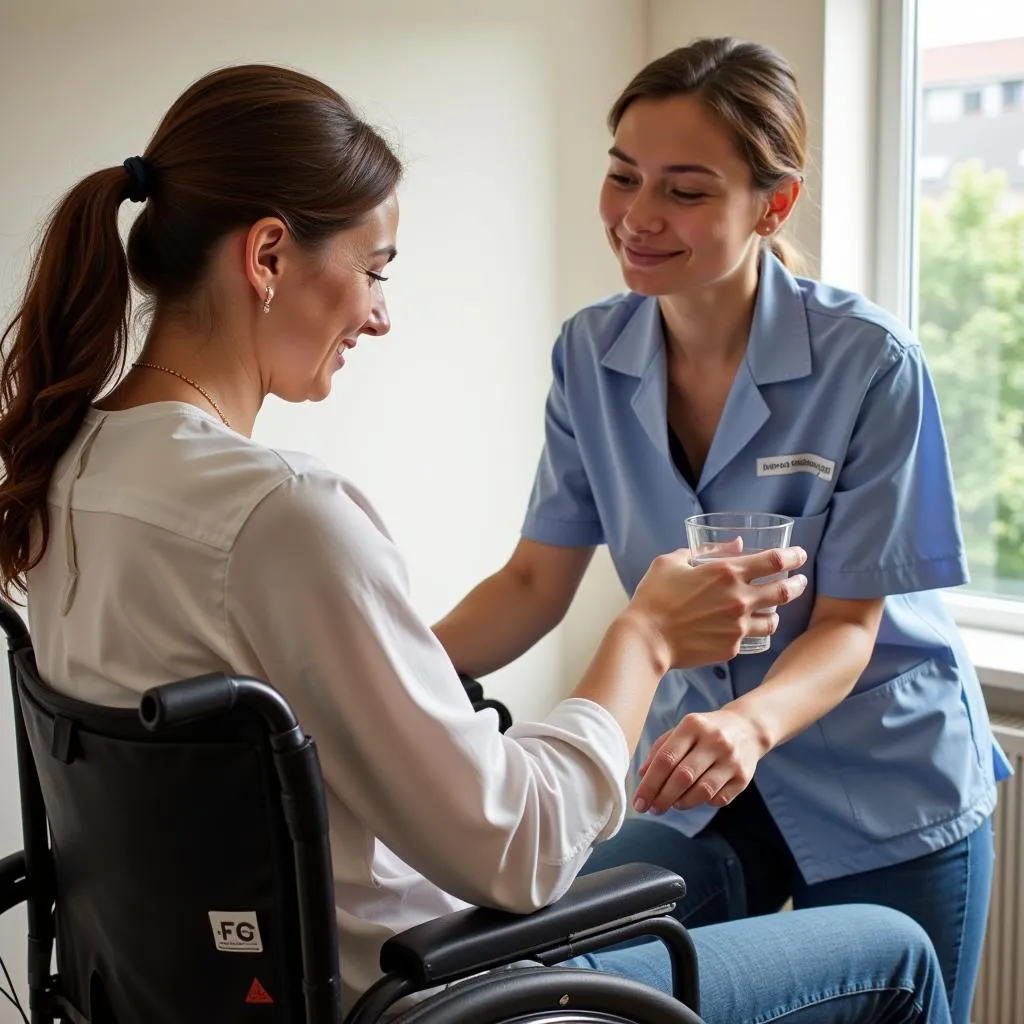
[156, 540]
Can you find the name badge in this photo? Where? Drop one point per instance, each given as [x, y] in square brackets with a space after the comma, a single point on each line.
[782, 465]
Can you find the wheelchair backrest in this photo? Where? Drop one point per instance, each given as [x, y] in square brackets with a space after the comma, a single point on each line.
[172, 870]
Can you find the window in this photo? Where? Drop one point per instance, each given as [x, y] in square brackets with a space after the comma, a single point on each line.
[972, 101]
[965, 282]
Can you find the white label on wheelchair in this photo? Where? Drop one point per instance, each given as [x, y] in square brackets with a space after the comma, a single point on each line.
[236, 931]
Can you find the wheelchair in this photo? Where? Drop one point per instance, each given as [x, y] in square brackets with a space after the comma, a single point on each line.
[176, 870]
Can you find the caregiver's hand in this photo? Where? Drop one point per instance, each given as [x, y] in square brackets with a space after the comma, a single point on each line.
[706, 759]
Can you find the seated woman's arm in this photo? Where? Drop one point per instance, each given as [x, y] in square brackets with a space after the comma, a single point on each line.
[317, 598]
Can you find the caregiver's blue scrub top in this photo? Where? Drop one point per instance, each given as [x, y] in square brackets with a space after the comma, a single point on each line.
[832, 419]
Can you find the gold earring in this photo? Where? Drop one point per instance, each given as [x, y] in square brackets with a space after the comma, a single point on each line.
[268, 299]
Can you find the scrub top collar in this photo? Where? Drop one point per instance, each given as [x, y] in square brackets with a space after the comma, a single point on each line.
[779, 350]
[780, 341]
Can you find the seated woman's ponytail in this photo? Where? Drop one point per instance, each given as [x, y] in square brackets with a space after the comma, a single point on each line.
[66, 342]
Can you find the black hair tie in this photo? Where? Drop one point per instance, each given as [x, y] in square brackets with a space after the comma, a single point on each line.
[140, 179]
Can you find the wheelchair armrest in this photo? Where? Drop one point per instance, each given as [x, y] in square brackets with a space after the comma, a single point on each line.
[479, 938]
[13, 881]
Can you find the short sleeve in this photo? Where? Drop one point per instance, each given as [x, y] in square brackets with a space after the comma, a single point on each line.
[316, 594]
[893, 526]
[562, 509]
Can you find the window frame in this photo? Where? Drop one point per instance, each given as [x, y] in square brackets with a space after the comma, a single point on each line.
[897, 245]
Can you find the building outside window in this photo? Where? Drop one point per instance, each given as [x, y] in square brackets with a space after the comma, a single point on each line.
[968, 274]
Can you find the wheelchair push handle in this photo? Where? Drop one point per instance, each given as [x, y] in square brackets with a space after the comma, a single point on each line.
[13, 625]
[191, 700]
[187, 701]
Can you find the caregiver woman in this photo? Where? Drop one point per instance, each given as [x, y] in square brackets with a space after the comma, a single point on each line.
[853, 762]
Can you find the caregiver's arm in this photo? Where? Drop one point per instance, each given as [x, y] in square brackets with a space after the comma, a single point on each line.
[816, 671]
[506, 614]
[720, 602]
[711, 757]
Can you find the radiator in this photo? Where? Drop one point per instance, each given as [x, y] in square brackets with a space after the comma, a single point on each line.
[999, 998]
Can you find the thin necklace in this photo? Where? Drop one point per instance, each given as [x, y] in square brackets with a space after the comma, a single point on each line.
[187, 380]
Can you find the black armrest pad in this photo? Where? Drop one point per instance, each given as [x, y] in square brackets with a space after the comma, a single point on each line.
[13, 886]
[479, 938]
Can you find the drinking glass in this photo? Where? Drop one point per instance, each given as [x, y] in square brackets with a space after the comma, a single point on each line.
[726, 534]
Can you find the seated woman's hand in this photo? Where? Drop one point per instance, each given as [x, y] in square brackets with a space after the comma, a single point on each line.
[699, 614]
[706, 759]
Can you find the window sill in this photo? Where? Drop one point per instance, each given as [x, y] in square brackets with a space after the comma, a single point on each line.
[998, 657]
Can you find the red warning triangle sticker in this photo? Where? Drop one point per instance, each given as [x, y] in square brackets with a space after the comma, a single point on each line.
[257, 993]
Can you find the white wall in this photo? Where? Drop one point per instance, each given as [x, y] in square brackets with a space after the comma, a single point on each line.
[499, 110]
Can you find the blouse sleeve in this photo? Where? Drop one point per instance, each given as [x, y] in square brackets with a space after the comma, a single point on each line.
[316, 592]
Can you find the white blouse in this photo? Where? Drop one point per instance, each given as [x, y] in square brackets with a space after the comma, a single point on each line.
[179, 547]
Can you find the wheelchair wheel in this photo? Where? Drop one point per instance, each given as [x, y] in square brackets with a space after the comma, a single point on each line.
[549, 995]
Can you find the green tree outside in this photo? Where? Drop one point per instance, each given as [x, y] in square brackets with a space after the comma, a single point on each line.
[971, 324]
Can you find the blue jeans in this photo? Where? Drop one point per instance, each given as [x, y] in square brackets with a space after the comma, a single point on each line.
[739, 866]
[830, 965]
